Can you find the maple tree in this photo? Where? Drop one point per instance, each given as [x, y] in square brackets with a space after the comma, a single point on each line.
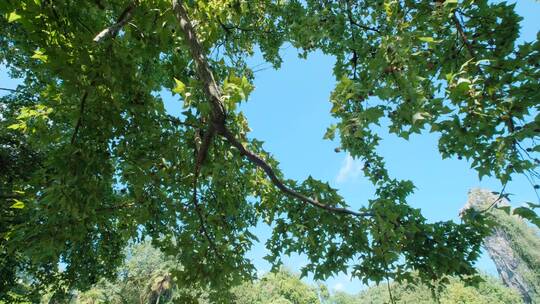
[90, 158]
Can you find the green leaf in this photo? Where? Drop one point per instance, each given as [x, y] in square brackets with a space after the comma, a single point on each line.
[420, 116]
[12, 17]
[180, 87]
[330, 132]
[18, 126]
[533, 205]
[426, 39]
[18, 204]
[528, 214]
[40, 55]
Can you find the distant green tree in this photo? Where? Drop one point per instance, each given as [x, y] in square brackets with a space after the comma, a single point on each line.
[144, 278]
[491, 291]
[282, 287]
[341, 297]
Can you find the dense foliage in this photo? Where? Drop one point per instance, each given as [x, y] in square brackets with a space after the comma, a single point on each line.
[90, 158]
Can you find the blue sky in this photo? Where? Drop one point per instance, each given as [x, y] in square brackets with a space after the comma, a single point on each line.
[289, 111]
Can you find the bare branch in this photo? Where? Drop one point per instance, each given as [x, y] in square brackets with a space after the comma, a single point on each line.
[278, 183]
[9, 90]
[113, 30]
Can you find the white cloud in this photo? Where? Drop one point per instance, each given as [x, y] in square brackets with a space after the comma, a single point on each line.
[350, 169]
[338, 287]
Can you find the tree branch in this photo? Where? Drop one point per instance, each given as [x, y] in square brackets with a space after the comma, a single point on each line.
[353, 22]
[113, 30]
[79, 120]
[218, 114]
[202, 221]
[278, 183]
[210, 87]
[463, 36]
[9, 90]
[204, 147]
[10, 196]
[200, 155]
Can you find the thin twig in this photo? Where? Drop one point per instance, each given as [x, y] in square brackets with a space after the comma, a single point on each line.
[353, 22]
[390, 291]
[10, 90]
[202, 222]
[463, 36]
[10, 196]
[501, 195]
[79, 120]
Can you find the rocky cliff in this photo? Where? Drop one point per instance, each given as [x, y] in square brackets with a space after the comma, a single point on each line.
[514, 246]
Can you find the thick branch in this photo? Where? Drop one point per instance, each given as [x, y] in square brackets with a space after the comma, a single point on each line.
[278, 183]
[210, 87]
[203, 148]
[113, 30]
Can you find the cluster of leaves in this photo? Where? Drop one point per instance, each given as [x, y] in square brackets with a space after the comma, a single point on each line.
[98, 161]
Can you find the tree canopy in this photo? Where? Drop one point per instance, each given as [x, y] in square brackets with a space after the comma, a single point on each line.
[90, 159]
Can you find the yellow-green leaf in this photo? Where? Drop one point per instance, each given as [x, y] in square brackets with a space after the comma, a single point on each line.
[18, 204]
[18, 126]
[425, 39]
[12, 17]
[180, 87]
[40, 55]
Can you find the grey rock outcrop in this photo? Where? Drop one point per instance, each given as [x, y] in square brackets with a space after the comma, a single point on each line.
[513, 266]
